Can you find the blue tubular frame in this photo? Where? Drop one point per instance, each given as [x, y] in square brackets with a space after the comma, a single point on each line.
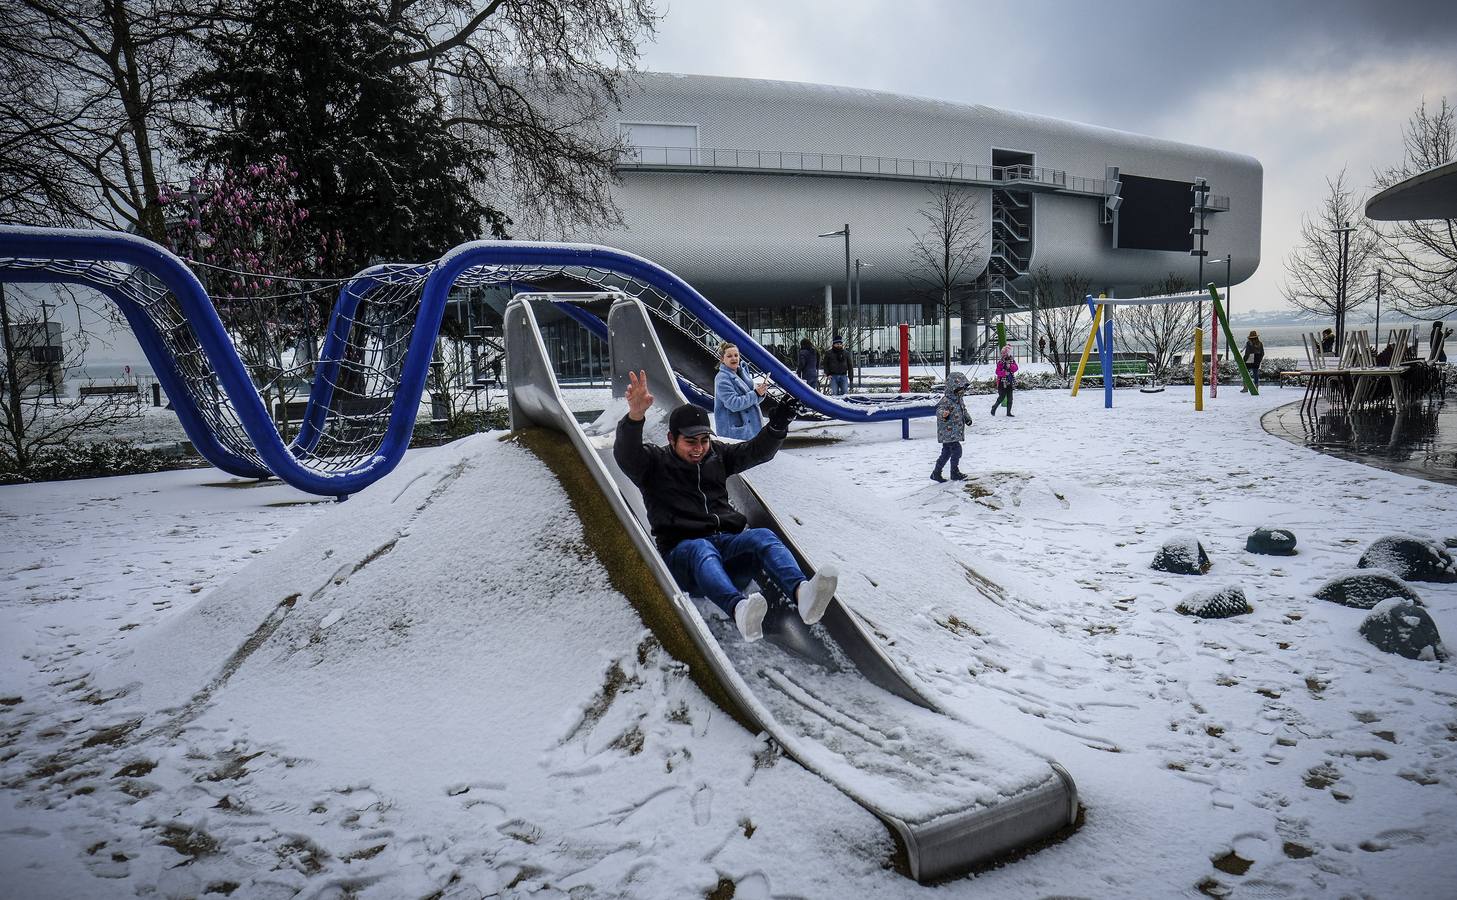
[100, 246]
[331, 354]
[283, 460]
[163, 365]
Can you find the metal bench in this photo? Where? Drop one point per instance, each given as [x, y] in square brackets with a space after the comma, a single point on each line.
[110, 390]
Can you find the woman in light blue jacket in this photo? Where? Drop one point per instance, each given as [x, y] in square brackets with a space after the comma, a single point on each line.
[735, 398]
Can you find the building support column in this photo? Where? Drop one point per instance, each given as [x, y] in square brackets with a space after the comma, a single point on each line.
[968, 328]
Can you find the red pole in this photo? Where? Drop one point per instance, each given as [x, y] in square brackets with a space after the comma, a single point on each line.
[905, 374]
[905, 358]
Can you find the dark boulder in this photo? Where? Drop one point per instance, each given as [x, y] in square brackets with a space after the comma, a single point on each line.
[1397, 626]
[1271, 541]
[1182, 555]
[1364, 588]
[1217, 604]
[1411, 559]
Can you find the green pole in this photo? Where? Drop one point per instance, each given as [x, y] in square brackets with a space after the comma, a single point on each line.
[1001, 335]
[1239, 358]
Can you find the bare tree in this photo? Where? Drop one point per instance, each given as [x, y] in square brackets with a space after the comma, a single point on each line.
[1062, 301]
[529, 82]
[1160, 330]
[36, 186]
[532, 84]
[1317, 281]
[101, 78]
[944, 257]
[1422, 255]
[35, 413]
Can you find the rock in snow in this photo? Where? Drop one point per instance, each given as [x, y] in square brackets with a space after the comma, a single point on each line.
[1271, 540]
[1364, 588]
[1411, 558]
[1217, 604]
[1400, 627]
[1182, 555]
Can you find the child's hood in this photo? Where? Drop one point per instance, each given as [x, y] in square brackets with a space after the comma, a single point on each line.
[957, 384]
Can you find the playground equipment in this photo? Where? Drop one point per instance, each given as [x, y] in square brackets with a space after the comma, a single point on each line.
[1101, 335]
[827, 694]
[366, 381]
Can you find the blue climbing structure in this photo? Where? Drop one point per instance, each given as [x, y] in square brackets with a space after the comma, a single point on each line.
[370, 373]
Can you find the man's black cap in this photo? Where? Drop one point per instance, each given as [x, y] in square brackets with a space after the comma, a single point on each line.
[689, 421]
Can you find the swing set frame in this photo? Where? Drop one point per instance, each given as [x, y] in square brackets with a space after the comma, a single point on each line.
[1101, 335]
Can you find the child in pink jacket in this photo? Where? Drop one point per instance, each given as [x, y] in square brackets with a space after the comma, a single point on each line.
[1006, 375]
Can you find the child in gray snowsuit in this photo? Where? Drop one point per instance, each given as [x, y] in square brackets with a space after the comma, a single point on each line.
[951, 422]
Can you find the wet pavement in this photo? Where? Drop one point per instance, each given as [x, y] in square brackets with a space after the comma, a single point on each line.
[1421, 441]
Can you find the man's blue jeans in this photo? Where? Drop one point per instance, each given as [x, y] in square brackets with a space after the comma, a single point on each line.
[720, 566]
[839, 385]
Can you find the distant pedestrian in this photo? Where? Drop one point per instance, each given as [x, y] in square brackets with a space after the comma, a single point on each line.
[951, 422]
[736, 399]
[1328, 341]
[1437, 343]
[1006, 377]
[837, 366]
[809, 363]
[1254, 354]
[1042, 348]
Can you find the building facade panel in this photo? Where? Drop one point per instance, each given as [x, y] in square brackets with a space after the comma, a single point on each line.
[744, 232]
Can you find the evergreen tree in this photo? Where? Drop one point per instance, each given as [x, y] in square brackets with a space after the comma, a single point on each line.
[317, 81]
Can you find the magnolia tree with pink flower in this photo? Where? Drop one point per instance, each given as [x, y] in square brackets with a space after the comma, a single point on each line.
[250, 244]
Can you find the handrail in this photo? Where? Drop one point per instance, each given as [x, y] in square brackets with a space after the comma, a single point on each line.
[1019, 176]
[854, 164]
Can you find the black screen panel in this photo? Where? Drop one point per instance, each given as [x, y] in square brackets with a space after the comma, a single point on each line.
[1155, 214]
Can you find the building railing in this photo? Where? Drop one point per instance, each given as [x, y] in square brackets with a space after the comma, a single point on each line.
[1015, 177]
[1022, 176]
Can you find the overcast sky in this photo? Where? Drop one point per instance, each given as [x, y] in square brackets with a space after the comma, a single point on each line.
[1307, 88]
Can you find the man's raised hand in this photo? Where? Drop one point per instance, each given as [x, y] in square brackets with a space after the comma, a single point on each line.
[638, 398]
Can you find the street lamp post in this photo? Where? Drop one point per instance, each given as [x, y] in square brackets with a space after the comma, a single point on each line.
[1378, 308]
[1343, 234]
[855, 335]
[1228, 308]
[845, 232]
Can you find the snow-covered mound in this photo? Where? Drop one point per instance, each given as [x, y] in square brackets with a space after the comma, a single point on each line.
[434, 684]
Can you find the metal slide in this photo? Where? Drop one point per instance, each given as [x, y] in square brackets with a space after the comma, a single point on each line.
[955, 794]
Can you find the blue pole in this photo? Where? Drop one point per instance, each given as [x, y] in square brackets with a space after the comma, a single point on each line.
[1107, 361]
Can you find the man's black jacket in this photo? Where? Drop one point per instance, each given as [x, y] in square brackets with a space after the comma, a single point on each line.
[837, 361]
[684, 500]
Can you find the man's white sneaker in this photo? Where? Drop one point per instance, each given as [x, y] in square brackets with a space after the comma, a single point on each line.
[749, 616]
[813, 595]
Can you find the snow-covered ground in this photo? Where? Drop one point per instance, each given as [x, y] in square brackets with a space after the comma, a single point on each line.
[434, 690]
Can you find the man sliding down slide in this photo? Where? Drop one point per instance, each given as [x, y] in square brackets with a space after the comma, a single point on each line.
[701, 535]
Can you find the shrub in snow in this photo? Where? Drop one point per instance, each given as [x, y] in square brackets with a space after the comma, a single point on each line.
[1401, 627]
[1182, 555]
[1411, 558]
[1271, 541]
[1364, 588]
[1220, 604]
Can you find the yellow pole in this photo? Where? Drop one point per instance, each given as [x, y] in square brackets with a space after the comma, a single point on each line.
[1198, 370]
[1088, 348]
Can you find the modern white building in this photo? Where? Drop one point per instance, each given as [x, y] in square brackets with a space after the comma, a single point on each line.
[730, 183]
